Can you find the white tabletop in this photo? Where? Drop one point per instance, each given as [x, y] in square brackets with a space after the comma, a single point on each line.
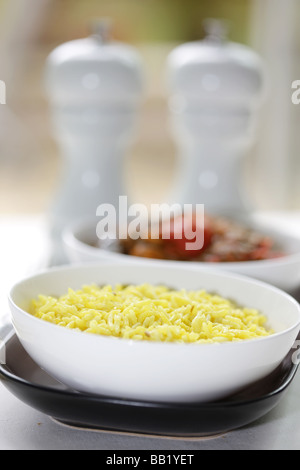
[24, 428]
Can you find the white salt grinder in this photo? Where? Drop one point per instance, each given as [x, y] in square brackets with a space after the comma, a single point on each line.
[95, 87]
[215, 90]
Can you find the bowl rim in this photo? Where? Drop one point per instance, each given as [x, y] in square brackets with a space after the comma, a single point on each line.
[70, 239]
[151, 344]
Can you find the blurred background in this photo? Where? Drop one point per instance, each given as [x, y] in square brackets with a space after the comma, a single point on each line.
[30, 29]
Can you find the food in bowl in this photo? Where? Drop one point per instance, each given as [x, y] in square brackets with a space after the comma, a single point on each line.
[165, 371]
[152, 313]
[81, 244]
[225, 240]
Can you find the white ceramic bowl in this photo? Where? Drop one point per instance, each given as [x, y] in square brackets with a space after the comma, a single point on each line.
[80, 245]
[156, 371]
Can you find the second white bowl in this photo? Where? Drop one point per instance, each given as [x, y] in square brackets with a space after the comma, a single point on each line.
[80, 245]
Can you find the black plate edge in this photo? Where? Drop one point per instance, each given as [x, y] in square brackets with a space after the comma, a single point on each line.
[6, 374]
[169, 420]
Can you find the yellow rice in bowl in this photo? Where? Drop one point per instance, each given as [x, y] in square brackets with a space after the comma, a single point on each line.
[152, 313]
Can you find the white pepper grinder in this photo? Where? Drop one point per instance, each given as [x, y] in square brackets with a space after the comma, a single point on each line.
[215, 90]
[95, 87]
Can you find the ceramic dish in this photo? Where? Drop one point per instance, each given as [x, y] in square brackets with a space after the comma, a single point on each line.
[156, 371]
[33, 386]
[80, 245]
